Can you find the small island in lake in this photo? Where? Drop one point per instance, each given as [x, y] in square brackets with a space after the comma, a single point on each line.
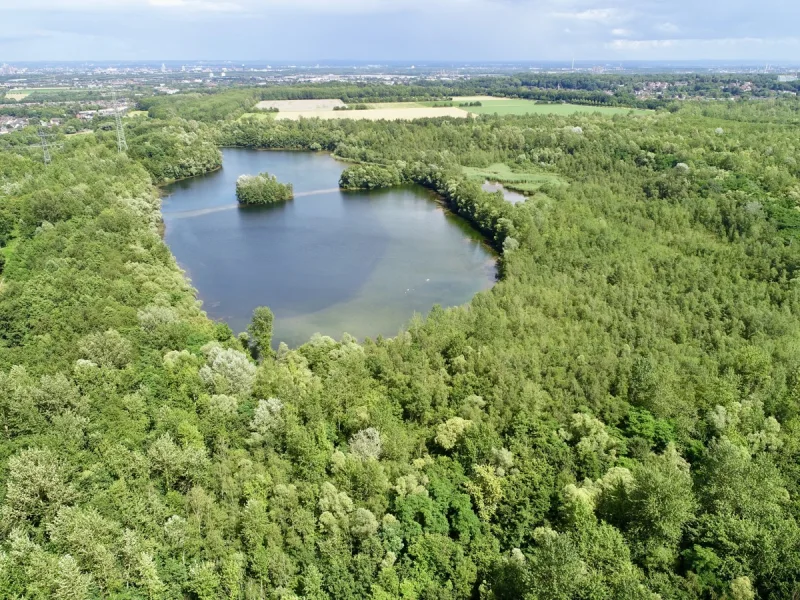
[262, 189]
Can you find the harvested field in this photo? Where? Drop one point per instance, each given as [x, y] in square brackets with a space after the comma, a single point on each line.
[17, 94]
[459, 99]
[324, 104]
[389, 114]
[385, 105]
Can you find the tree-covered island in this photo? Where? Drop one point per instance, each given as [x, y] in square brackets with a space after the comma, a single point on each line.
[262, 189]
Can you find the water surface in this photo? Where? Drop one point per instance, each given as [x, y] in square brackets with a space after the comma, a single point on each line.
[510, 195]
[327, 261]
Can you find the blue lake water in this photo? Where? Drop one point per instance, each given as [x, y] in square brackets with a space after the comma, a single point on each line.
[327, 261]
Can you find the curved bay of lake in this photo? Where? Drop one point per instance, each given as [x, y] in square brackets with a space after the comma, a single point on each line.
[327, 261]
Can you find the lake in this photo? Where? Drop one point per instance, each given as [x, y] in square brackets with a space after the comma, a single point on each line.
[328, 261]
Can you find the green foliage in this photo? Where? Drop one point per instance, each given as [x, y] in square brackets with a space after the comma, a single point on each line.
[260, 329]
[368, 177]
[616, 418]
[262, 189]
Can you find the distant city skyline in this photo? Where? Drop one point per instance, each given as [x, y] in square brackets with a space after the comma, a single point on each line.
[380, 30]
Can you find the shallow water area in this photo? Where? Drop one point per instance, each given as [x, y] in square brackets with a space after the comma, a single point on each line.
[509, 195]
[327, 261]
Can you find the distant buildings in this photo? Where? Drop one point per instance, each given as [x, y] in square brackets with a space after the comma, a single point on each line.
[9, 70]
[88, 115]
[9, 124]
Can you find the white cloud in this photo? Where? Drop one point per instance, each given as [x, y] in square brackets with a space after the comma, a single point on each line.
[621, 32]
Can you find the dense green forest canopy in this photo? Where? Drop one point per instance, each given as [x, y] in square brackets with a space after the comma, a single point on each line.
[617, 418]
[262, 189]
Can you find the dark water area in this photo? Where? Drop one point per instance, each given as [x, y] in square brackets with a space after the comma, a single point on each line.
[327, 261]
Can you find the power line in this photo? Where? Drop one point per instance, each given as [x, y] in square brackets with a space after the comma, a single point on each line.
[45, 148]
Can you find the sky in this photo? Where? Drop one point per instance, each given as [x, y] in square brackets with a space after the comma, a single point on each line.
[414, 30]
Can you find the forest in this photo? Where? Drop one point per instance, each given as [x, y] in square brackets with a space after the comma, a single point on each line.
[618, 417]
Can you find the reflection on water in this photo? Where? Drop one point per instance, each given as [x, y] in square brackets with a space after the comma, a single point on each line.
[510, 196]
[328, 261]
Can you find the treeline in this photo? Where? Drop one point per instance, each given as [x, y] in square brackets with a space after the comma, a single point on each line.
[207, 107]
[38, 112]
[370, 177]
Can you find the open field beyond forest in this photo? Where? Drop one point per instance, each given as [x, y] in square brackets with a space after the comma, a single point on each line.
[22, 93]
[392, 111]
[520, 106]
[18, 94]
[378, 114]
[324, 104]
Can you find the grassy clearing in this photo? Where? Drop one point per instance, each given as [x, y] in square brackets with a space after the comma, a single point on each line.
[522, 182]
[22, 93]
[136, 113]
[518, 106]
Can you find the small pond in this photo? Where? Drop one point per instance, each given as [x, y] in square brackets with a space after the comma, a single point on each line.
[328, 261]
[509, 195]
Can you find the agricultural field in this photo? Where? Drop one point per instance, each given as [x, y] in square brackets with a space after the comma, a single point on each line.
[528, 183]
[18, 94]
[294, 110]
[393, 111]
[463, 99]
[520, 106]
[378, 114]
[22, 93]
[325, 104]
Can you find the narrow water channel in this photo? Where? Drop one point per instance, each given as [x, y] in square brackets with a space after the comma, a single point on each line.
[328, 261]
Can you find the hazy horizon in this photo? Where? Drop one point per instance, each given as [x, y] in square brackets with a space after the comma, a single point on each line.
[406, 30]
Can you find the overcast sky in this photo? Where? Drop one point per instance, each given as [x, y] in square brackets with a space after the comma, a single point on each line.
[459, 30]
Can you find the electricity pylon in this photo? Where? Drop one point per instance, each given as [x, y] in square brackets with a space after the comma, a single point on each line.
[45, 148]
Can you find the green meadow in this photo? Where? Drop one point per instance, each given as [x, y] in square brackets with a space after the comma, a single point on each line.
[523, 182]
[520, 106]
